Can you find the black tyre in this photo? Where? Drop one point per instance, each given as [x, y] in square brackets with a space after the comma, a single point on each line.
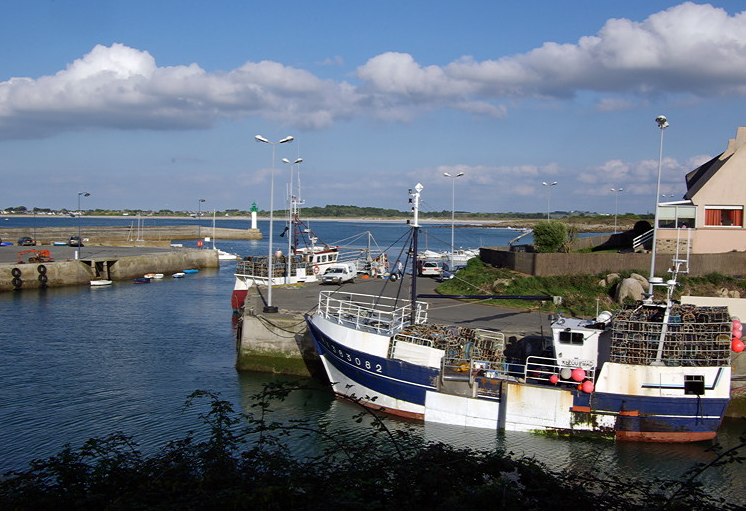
[16, 272]
[43, 278]
[41, 269]
[17, 282]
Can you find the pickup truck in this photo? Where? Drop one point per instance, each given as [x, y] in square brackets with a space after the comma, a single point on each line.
[339, 273]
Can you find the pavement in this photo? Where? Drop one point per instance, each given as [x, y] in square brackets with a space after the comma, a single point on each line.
[304, 298]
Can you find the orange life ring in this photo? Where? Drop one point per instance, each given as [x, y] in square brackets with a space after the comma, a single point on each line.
[316, 269]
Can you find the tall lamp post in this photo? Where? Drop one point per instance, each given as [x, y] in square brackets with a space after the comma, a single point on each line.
[269, 307]
[616, 204]
[662, 124]
[453, 208]
[199, 215]
[80, 240]
[549, 193]
[291, 215]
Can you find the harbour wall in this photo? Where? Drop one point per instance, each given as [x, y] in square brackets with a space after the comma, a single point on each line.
[18, 276]
[546, 265]
[275, 343]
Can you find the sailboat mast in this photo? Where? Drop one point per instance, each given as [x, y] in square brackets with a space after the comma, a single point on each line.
[415, 232]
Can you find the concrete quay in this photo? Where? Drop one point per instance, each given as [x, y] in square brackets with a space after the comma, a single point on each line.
[95, 262]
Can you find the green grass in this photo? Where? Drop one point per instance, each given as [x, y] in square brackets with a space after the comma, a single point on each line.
[582, 294]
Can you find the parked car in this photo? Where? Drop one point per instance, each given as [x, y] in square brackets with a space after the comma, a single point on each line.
[74, 241]
[26, 242]
[430, 268]
[339, 273]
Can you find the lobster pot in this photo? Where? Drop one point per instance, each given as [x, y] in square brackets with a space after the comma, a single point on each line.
[694, 336]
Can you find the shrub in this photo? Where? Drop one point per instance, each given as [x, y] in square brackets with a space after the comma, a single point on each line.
[549, 236]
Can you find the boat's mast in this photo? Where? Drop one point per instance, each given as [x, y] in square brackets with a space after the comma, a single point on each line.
[415, 229]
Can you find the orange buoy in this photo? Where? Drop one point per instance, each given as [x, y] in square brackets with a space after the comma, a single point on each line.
[553, 379]
[736, 345]
[578, 374]
[587, 386]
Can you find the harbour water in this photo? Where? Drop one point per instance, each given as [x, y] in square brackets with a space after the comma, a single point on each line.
[83, 362]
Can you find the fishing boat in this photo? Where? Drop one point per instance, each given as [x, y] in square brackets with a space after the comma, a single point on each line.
[306, 258]
[657, 371]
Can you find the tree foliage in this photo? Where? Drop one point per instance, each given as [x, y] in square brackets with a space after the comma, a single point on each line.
[549, 236]
[243, 462]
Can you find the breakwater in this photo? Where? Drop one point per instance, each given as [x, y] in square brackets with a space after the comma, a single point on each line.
[119, 263]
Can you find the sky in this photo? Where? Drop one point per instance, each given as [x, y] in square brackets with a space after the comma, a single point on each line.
[155, 105]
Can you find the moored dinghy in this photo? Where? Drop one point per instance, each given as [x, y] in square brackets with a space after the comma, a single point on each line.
[100, 282]
[656, 372]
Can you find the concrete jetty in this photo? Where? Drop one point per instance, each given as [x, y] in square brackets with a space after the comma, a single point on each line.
[71, 267]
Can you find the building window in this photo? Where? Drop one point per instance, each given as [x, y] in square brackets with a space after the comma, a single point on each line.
[731, 216]
[676, 217]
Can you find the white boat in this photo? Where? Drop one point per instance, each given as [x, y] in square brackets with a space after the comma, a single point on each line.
[100, 282]
[222, 254]
[153, 275]
[178, 275]
[656, 372]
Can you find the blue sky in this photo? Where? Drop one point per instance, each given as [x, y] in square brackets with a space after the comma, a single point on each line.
[152, 105]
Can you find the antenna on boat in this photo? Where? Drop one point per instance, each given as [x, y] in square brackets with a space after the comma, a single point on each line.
[415, 200]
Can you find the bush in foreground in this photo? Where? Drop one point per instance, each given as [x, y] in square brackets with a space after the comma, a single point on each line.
[244, 463]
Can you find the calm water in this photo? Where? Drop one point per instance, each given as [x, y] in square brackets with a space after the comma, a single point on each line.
[83, 362]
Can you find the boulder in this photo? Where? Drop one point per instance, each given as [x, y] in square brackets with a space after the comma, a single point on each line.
[629, 288]
[642, 280]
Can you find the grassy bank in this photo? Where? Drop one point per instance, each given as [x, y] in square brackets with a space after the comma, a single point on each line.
[582, 295]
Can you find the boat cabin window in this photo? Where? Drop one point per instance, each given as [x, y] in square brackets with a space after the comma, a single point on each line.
[570, 337]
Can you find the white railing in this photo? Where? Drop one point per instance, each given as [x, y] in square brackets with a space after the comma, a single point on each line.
[371, 313]
[642, 238]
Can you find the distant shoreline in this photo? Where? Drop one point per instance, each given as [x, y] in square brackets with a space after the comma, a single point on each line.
[516, 223]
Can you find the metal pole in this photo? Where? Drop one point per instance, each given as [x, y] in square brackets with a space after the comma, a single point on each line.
[453, 209]
[199, 215]
[269, 307]
[80, 239]
[662, 124]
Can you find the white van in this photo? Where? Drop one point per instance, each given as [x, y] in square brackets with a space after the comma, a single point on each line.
[339, 273]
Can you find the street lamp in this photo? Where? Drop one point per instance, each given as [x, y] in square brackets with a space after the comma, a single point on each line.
[291, 214]
[549, 193]
[269, 307]
[616, 203]
[80, 240]
[453, 208]
[662, 124]
[199, 214]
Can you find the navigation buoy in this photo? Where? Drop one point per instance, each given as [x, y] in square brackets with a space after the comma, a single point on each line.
[578, 374]
[553, 379]
[737, 345]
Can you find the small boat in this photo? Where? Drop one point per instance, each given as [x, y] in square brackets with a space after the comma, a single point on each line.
[100, 282]
[153, 276]
[6, 243]
[226, 256]
[141, 280]
[190, 271]
[178, 275]
[59, 243]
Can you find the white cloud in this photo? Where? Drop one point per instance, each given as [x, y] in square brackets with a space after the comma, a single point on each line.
[689, 50]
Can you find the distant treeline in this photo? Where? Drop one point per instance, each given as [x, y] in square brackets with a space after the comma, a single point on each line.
[330, 211]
